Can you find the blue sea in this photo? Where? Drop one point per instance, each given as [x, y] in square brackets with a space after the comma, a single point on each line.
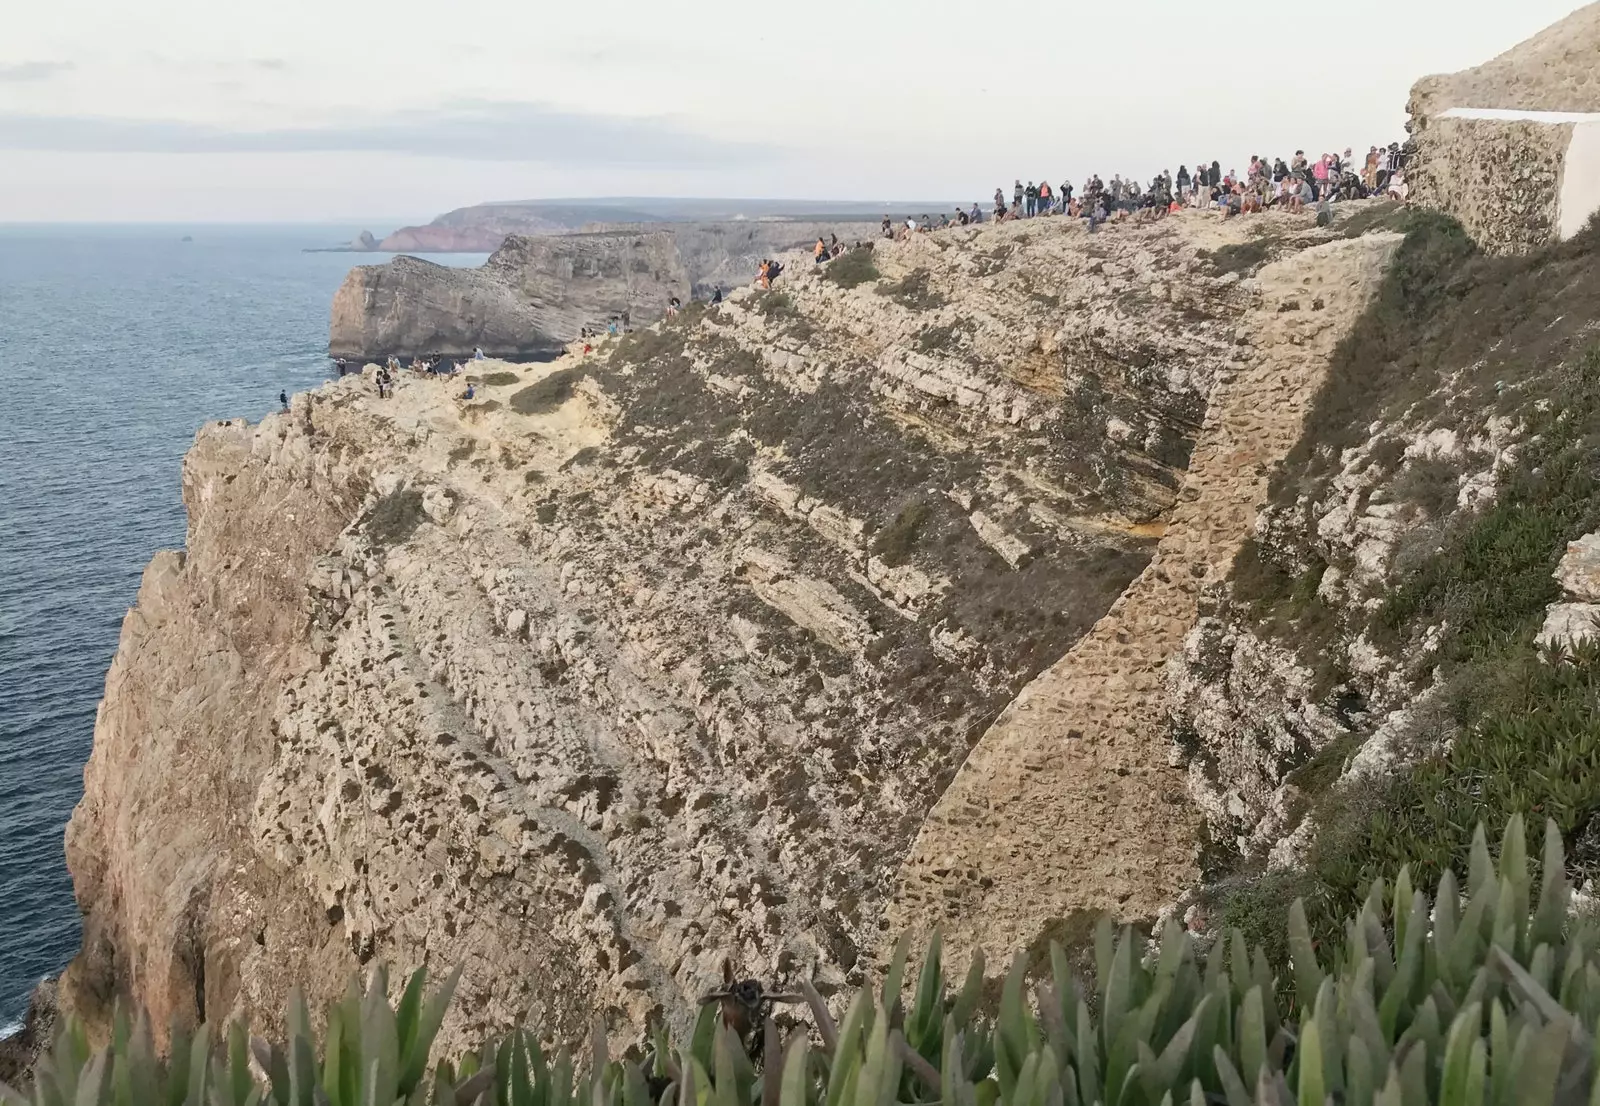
[116, 344]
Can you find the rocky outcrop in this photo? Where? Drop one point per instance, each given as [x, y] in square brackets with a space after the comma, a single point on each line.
[637, 661]
[530, 298]
[728, 253]
[1552, 71]
[1068, 807]
[1512, 148]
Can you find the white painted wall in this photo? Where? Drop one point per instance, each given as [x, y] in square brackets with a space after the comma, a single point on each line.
[1580, 169]
[1580, 179]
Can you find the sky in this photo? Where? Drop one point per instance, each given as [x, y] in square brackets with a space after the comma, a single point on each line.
[390, 112]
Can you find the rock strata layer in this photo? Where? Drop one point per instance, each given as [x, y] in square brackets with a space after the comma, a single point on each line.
[641, 660]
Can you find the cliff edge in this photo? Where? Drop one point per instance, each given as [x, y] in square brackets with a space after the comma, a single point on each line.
[634, 662]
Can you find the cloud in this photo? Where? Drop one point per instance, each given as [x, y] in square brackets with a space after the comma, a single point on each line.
[474, 130]
[32, 70]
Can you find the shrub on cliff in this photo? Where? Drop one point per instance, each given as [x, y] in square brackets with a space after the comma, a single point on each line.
[1484, 999]
[852, 270]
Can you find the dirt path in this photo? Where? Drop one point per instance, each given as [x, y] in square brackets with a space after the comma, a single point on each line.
[1067, 806]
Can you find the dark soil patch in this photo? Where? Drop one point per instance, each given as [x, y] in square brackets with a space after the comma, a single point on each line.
[547, 394]
[395, 517]
[914, 291]
[501, 379]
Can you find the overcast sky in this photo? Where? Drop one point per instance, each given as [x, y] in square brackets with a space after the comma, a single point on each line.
[392, 111]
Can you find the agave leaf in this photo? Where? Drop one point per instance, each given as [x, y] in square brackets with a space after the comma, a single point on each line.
[794, 1082]
[702, 1044]
[408, 1015]
[1555, 893]
[239, 1083]
[1312, 1083]
[966, 1003]
[819, 1014]
[1232, 1086]
[1464, 1033]
[1117, 990]
[895, 976]
[951, 1073]
[429, 1019]
[199, 1064]
[1481, 877]
[1252, 1037]
[1088, 1057]
[927, 1007]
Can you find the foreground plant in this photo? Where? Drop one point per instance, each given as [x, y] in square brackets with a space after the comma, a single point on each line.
[1486, 999]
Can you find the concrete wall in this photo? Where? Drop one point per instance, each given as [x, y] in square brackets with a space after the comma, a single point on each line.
[1516, 179]
[1500, 177]
[1580, 178]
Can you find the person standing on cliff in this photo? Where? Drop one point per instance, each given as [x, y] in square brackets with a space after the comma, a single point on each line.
[283, 398]
[888, 227]
[1017, 194]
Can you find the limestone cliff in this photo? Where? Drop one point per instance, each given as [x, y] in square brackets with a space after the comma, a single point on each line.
[532, 296]
[636, 661]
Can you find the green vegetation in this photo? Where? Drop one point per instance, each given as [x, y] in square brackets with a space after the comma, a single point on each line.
[933, 339]
[501, 379]
[853, 269]
[894, 542]
[1483, 999]
[1453, 338]
[547, 393]
[395, 517]
[913, 291]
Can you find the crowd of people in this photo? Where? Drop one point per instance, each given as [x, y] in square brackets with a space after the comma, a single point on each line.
[1267, 183]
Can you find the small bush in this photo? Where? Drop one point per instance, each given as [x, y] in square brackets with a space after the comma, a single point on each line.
[894, 542]
[395, 517]
[913, 291]
[547, 394]
[933, 339]
[501, 379]
[852, 270]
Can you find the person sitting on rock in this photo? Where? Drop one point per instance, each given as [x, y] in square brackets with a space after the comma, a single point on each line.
[819, 253]
[888, 227]
[470, 392]
[975, 215]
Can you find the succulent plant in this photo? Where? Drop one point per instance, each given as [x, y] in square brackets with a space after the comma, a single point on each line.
[1488, 998]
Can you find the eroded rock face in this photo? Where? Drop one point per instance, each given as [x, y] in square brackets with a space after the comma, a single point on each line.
[642, 660]
[530, 298]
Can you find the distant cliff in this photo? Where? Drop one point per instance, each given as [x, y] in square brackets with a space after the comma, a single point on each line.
[537, 292]
[530, 298]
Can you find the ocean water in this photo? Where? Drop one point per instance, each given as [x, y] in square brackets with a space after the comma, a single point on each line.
[116, 344]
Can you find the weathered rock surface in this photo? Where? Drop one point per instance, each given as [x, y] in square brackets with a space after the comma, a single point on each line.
[642, 660]
[537, 292]
[1068, 807]
[1552, 71]
[530, 298]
